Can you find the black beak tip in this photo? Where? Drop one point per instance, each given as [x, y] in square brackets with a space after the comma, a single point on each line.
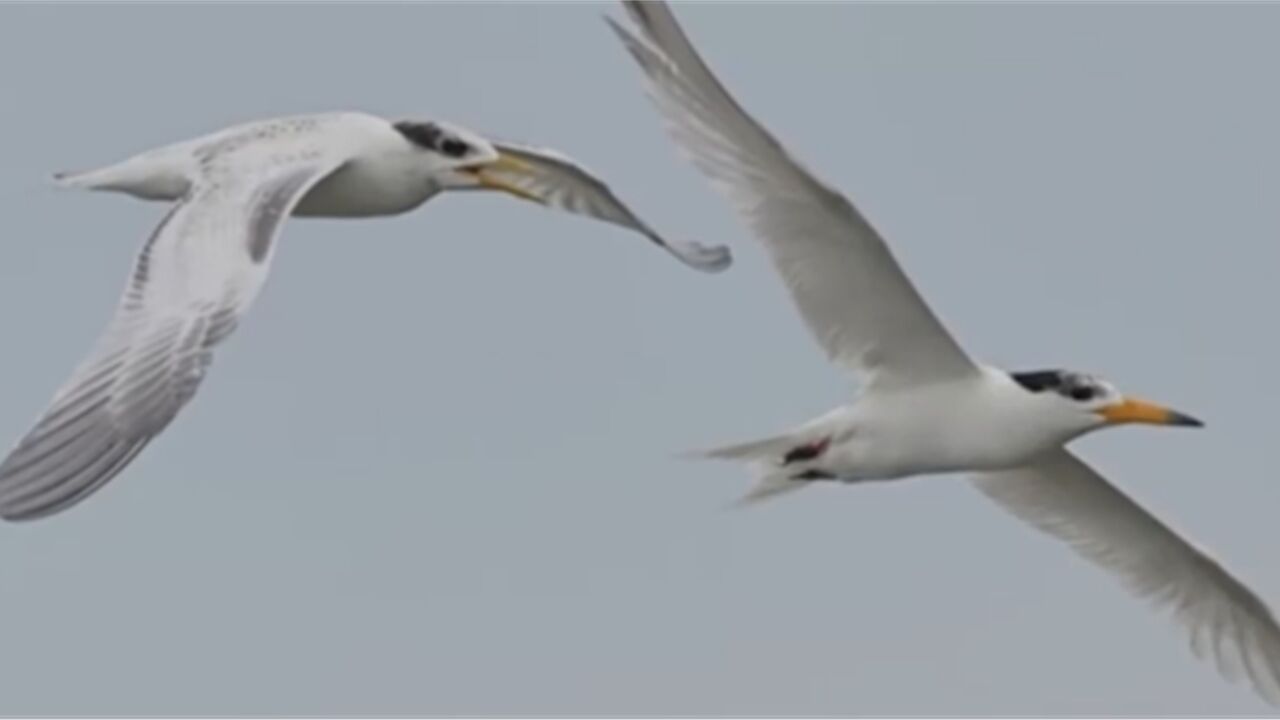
[1181, 420]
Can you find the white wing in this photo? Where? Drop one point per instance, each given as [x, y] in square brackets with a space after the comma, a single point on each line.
[193, 279]
[565, 185]
[849, 289]
[1066, 498]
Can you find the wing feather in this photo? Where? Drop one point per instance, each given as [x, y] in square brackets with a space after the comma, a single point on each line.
[1227, 623]
[192, 280]
[850, 290]
[563, 184]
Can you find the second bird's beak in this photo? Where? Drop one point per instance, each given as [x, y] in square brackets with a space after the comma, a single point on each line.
[1133, 410]
[490, 176]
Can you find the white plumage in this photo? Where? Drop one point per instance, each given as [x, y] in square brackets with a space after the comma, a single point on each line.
[925, 406]
[206, 261]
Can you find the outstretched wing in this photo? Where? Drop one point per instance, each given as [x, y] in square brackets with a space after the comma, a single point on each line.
[559, 182]
[1064, 497]
[193, 280]
[849, 288]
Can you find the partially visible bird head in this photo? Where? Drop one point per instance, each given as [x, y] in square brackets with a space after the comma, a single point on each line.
[459, 159]
[1084, 402]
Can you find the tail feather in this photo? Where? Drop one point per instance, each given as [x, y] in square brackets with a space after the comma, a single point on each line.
[776, 446]
[74, 179]
[112, 177]
[765, 459]
[157, 175]
[770, 485]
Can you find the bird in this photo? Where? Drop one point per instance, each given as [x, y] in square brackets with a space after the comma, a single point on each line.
[203, 265]
[925, 406]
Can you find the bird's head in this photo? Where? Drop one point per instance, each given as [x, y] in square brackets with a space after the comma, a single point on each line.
[458, 159]
[1082, 402]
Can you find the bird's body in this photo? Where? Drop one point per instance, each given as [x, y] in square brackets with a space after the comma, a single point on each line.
[986, 422]
[982, 422]
[926, 406]
[381, 177]
[368, 188]
[205, 263]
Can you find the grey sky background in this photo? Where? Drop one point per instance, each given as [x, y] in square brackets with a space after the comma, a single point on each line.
[434, 471]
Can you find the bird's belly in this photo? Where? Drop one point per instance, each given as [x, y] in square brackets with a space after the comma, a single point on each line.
[362, 190]
[925, 461]
[930, 448]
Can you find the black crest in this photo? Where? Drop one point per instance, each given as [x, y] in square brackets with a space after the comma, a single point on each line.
[1039, 380]
[429, 135]
[423, 134]
[1067, 384]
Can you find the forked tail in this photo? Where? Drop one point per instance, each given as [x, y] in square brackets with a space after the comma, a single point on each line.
[776, 463]
[770, 483]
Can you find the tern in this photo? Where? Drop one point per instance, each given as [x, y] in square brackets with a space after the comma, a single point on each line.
[925, 405]
[205, 262]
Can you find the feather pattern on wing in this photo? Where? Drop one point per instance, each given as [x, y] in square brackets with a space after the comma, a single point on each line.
[561, 183]
[851, 292]
[1064, 497]
[191, 282]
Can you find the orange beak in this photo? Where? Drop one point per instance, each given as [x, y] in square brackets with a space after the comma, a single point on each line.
[1132, 410]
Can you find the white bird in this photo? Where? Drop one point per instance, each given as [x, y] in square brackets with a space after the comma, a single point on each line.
[203, 265]
[925, 405]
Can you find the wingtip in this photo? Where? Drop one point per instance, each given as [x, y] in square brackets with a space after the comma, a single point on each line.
[625, 34]
[706, 258]
[634, 8]
[19, 518]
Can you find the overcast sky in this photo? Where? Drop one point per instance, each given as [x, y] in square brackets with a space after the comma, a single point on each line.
[434, 471]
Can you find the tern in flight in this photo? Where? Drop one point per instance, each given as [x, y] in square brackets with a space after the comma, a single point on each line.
[204, 264]
[925, 405]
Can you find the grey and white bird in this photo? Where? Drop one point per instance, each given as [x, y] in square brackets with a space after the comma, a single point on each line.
[925, 405]
[204, 264]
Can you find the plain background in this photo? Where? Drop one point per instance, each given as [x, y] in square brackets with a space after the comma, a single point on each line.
[434, 471]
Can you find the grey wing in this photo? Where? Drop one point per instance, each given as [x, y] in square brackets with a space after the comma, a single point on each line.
[1064, 497]
[565, 185]
[849, 288]
[191, 282]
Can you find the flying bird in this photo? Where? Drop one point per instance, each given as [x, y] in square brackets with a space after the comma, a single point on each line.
[205, 262]
[925, 405]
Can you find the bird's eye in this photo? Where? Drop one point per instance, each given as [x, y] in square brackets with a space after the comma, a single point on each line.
[1082, 393]
[454, 147]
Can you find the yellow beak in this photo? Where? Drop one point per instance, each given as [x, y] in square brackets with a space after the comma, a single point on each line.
[1132, 410]
[489, 176]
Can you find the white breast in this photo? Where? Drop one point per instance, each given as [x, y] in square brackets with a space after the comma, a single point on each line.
[379, 185]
